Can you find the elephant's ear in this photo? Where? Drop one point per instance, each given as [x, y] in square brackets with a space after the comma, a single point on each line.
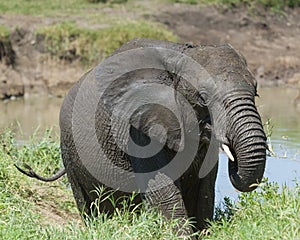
[168, 119]
[144, 96]
[160, 124]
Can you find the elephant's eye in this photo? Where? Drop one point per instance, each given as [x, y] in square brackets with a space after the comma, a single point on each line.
[203, 98]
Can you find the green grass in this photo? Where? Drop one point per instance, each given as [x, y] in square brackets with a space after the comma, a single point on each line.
[268, 213]
[43, 8]
[21, 199]
[58, 8]
[4, 32]
[68, 41]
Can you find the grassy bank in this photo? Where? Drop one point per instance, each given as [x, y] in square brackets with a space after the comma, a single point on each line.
[34, 210]
[68, 41]
[44, 8]
[268, 213]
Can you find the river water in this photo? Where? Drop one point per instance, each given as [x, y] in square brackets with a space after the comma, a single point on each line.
[273, 103]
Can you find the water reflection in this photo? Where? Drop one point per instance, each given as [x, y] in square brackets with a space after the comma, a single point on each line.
[274, 103]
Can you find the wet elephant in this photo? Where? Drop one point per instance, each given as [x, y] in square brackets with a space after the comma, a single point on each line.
[183, 101]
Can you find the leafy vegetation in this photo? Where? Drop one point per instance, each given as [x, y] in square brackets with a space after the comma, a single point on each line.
[69, 42]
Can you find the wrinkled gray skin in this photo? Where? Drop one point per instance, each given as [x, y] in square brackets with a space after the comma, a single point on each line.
[235, 119]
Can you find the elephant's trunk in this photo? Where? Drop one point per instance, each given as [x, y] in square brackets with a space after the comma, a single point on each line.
[247, 143]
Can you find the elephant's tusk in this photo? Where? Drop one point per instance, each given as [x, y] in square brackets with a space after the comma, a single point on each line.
[254, 185]
[227, 151]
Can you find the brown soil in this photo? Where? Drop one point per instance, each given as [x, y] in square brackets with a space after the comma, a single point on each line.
[47, 199]
[269, 42]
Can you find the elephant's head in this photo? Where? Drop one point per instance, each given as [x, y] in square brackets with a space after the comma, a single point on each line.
[230, 98]
[215, 81]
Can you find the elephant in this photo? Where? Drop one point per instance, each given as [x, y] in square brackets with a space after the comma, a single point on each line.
[185, 101]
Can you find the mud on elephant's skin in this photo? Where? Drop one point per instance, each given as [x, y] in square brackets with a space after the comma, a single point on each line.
[223, 104]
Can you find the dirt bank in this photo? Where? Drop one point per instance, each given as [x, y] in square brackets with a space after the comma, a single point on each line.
[270, 44]
[34, 72]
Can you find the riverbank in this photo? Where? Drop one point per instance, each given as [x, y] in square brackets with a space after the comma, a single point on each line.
[44, 49]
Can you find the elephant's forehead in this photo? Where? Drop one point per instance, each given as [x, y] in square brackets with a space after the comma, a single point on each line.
[222, 61]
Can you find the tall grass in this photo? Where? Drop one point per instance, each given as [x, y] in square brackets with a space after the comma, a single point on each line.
[267, 213]
[22, 197]
[270, 212]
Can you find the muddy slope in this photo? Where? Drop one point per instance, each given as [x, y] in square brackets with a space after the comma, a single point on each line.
[269, 43]
[33, 72]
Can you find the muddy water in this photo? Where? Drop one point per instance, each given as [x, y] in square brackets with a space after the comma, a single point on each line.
[31, 114]
[274, 103]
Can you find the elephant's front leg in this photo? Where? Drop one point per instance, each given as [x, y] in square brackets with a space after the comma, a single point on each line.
[163, 194]
[206, 199]
[160, 191]
[199, 193]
